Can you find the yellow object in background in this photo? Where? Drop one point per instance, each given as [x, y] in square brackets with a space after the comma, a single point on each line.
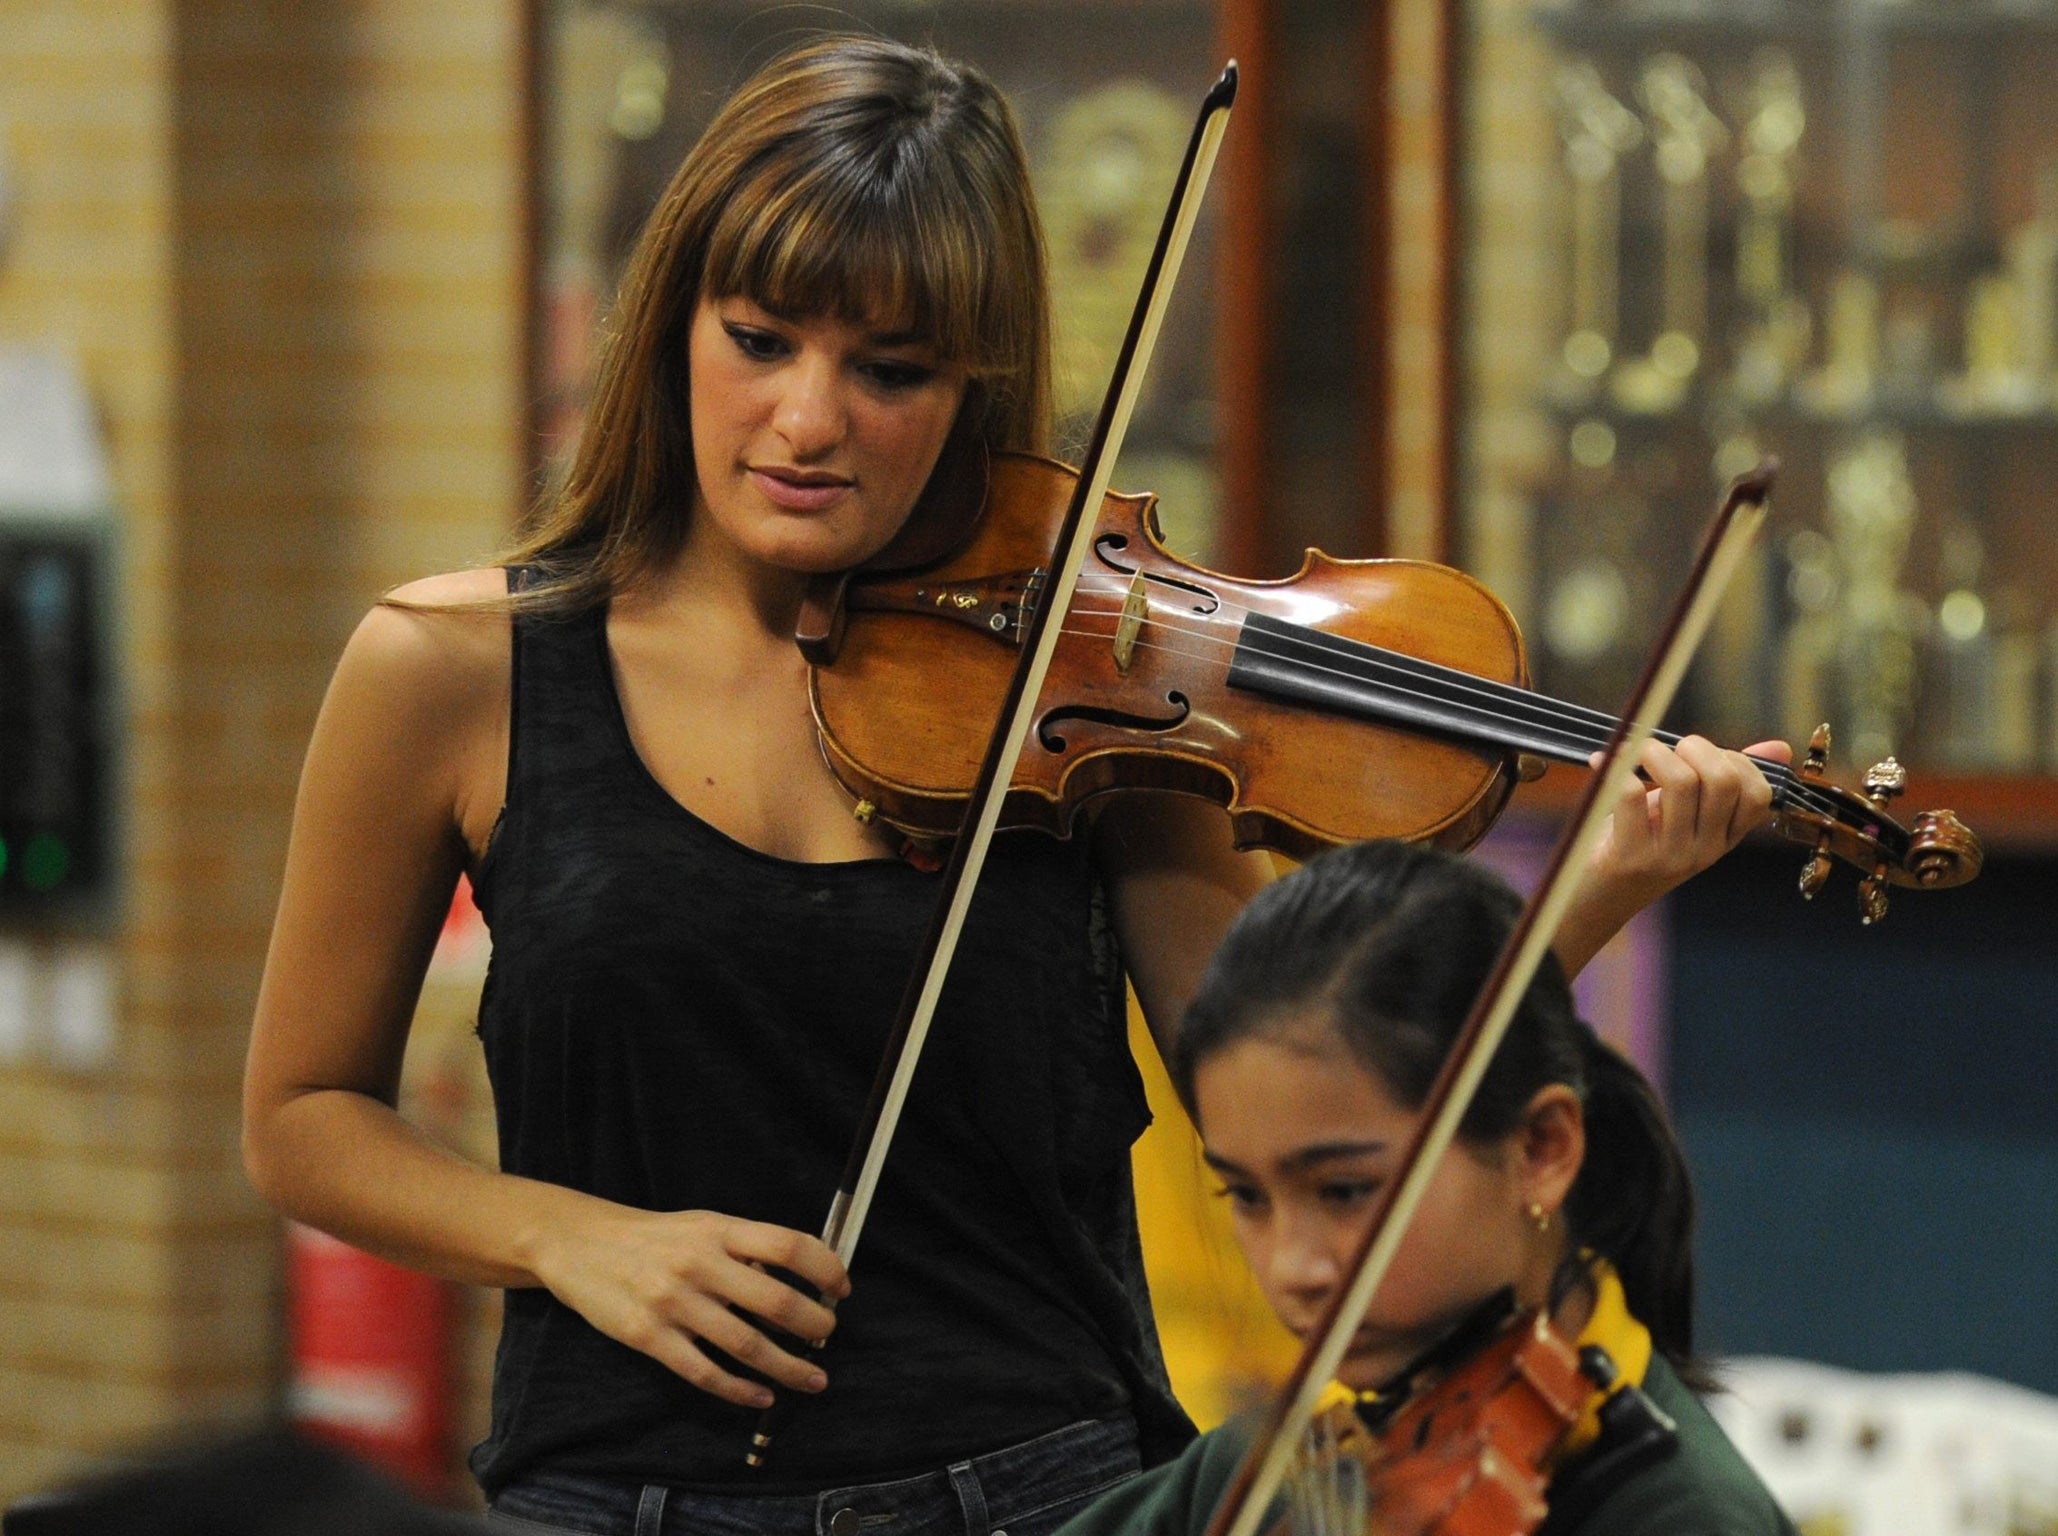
[1223, 1347]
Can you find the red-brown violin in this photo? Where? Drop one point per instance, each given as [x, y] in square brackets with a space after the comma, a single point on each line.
[1463, 1445]
[1354, 700]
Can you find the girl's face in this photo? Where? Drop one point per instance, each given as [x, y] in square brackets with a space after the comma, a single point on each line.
[1304, 1139]
[812, 437]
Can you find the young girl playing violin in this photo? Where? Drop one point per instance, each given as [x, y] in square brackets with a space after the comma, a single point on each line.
[697, 950]
[1305, 1059]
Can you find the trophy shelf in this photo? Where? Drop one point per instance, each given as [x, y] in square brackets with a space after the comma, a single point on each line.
[1698, 235]
[1704, 26]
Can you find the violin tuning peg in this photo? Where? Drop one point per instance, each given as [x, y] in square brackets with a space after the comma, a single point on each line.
[1872, 897]
[1815, 873]
[1885, 781]
[1817, 761]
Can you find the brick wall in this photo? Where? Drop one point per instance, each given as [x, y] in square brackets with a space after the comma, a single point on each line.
[282, 240]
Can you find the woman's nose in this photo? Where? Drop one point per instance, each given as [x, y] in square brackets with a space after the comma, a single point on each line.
[810, 414]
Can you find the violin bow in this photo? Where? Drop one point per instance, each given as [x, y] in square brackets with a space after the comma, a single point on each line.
[853, 1200]
[1266, 1463]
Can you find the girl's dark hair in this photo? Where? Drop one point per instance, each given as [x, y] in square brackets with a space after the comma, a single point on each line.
[1392, 942]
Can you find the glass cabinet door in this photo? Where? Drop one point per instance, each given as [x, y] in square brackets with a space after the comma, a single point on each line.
[1700, 234]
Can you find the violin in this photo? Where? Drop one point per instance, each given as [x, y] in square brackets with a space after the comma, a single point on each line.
[1464, 1441]
[1356, 699]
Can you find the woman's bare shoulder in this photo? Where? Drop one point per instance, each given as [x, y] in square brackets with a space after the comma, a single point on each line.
[423, 689]
[434, 634]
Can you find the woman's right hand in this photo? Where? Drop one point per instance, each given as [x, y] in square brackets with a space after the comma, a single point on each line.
[673, 1283]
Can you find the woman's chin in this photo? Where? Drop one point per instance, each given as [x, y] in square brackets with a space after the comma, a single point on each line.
[816, 551]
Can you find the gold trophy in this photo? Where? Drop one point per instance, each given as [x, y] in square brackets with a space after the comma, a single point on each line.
[1772, 340]
[1998, 379]
[1108, 157]
[1808, 649]
[1685, 131]
[1598, 131]
[1871, 515]
[1849, 375]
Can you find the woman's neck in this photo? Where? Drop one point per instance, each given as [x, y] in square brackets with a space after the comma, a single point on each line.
[716, 581]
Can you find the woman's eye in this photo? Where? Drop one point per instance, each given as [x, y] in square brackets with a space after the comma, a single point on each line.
[893, 375]
[753, 343]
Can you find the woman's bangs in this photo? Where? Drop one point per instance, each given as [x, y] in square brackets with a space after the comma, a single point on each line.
[859, 253]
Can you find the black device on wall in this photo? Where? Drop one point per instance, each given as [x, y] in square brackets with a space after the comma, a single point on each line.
[54, 801]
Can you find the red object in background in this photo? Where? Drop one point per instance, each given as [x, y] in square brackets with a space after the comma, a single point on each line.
[371, 1357]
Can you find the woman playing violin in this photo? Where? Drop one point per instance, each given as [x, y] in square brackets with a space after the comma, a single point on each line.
[1305, 1059]
[697, 950]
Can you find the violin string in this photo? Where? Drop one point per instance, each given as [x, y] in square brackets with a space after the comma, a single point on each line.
[1515, 702]
[1534, 708]
[1538, 709]
[1589, 726]
[1327, 1493]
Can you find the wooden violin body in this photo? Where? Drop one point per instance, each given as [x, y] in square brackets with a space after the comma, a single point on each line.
[1466, 1447]
[1356, 699]
[1162, 711]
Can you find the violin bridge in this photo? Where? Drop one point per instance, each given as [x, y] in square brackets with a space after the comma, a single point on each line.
[1134, 605]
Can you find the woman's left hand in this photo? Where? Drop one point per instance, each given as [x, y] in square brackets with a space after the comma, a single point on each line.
[1695, 803]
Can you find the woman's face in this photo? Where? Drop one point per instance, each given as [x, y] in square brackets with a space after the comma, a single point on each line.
[1304, 1139]
[812, 437]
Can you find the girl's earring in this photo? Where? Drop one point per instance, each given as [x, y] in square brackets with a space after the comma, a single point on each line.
[1540, 1216]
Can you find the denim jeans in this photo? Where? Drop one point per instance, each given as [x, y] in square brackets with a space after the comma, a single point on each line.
[1026, 1490]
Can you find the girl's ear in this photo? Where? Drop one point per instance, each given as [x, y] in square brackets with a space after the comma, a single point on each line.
[1550, 1146]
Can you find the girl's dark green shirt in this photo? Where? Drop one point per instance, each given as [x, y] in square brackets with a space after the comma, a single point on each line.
[1704, 1488]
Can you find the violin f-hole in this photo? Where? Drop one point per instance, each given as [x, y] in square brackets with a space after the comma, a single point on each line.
[1052, 741]
[1108, 542]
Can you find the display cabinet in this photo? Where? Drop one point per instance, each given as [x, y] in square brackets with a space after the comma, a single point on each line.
[1699, 234]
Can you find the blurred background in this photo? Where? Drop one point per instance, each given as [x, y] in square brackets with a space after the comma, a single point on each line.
[299, 300]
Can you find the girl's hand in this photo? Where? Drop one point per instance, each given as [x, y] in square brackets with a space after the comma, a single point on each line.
[669, 1283]
[1695, 803]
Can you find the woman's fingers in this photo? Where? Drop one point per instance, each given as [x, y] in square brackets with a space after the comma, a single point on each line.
[687, 1287]
[773, 1301]
[1693, 804]
[675, 1349]
[784, 1248]
[705, 1318]
[1677, 781]
[1755, 804]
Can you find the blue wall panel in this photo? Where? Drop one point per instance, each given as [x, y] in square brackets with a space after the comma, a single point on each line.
[1872, 1118]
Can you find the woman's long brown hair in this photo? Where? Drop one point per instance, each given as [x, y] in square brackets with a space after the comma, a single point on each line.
[854, 177]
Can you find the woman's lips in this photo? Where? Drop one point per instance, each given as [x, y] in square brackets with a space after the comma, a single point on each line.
[799, 495]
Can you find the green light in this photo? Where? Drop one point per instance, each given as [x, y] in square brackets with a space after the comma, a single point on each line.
[45, 861]
[3, 856]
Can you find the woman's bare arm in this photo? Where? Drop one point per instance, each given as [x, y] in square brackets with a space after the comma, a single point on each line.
[403, 777]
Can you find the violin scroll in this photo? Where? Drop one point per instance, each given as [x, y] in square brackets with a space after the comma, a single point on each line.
[1938, 852]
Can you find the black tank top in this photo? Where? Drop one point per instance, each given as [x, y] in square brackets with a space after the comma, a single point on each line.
[675, 1021]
